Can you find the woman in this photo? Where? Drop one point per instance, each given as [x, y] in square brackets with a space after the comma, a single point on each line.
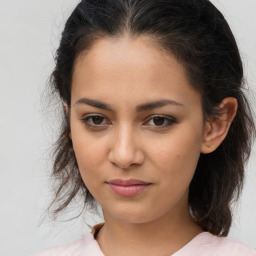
[157, 129]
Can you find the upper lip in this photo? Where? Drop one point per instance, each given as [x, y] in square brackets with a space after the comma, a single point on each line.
[127, 182]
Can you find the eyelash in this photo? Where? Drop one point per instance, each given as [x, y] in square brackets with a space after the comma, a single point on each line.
[167, 119]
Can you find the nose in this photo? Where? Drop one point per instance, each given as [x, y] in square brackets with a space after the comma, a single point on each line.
[125, 149]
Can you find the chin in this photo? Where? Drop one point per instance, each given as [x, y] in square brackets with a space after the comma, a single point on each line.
[130, 216]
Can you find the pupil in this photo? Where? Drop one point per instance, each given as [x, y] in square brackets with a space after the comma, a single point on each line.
[97, 119]
[158, 120]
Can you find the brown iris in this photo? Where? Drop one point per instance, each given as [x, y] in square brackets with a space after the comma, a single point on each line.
[97, 119]
[158, 121]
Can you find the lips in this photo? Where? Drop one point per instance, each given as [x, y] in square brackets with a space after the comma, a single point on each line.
[126, 188]
[127, 182]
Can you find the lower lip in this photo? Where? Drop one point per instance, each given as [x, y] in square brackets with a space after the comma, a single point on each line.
[131, 190]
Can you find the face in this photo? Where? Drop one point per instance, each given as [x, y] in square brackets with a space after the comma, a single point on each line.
[134, 115]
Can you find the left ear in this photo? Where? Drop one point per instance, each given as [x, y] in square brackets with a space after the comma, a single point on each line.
[216, 128]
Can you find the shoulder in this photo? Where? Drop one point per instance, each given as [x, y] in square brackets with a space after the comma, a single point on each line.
[221, 246]
[206, 244]
[75, 248]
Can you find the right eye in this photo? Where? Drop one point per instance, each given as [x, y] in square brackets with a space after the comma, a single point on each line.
[95, 121]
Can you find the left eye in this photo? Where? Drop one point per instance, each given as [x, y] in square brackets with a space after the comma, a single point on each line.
[161, 121]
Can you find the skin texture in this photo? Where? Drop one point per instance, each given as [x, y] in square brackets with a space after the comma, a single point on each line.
[127, 144]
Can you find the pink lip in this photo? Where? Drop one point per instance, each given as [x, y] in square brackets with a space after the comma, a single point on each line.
[130, 187]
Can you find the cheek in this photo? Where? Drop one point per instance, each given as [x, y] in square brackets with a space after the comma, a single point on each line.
[178, 153]
[89, 151]
[89, 157]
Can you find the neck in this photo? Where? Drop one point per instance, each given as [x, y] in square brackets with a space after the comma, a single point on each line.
[165, 235]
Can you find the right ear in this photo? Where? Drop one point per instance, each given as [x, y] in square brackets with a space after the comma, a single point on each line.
[66, 110]
[65, 106]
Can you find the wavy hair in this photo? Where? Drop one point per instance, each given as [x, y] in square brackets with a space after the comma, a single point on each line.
[198, 35]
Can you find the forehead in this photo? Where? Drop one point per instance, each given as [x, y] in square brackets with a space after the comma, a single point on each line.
[132, 66]
[125, 56]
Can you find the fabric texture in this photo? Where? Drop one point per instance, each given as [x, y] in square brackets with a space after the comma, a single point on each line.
[204, 244]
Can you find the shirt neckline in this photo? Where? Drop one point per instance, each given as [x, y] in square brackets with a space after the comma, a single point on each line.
[197, 240]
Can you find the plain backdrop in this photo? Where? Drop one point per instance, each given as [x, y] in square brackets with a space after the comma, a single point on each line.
[29, 35]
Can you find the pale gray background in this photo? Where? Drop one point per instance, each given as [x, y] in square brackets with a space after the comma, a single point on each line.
[29, 34]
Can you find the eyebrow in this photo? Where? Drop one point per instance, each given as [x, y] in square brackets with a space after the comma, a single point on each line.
[139, 108]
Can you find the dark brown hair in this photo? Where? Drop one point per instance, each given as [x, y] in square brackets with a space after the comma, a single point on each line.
[197, 34]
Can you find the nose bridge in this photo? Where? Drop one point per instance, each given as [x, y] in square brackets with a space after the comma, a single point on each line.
[125, 150]
[125, 139]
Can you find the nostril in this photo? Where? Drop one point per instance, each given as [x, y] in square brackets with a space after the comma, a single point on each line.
[126, 159]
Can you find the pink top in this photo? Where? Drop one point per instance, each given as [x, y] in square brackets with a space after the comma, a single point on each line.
[204, 244]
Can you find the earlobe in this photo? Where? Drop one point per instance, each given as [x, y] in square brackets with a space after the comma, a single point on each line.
[216, 128]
